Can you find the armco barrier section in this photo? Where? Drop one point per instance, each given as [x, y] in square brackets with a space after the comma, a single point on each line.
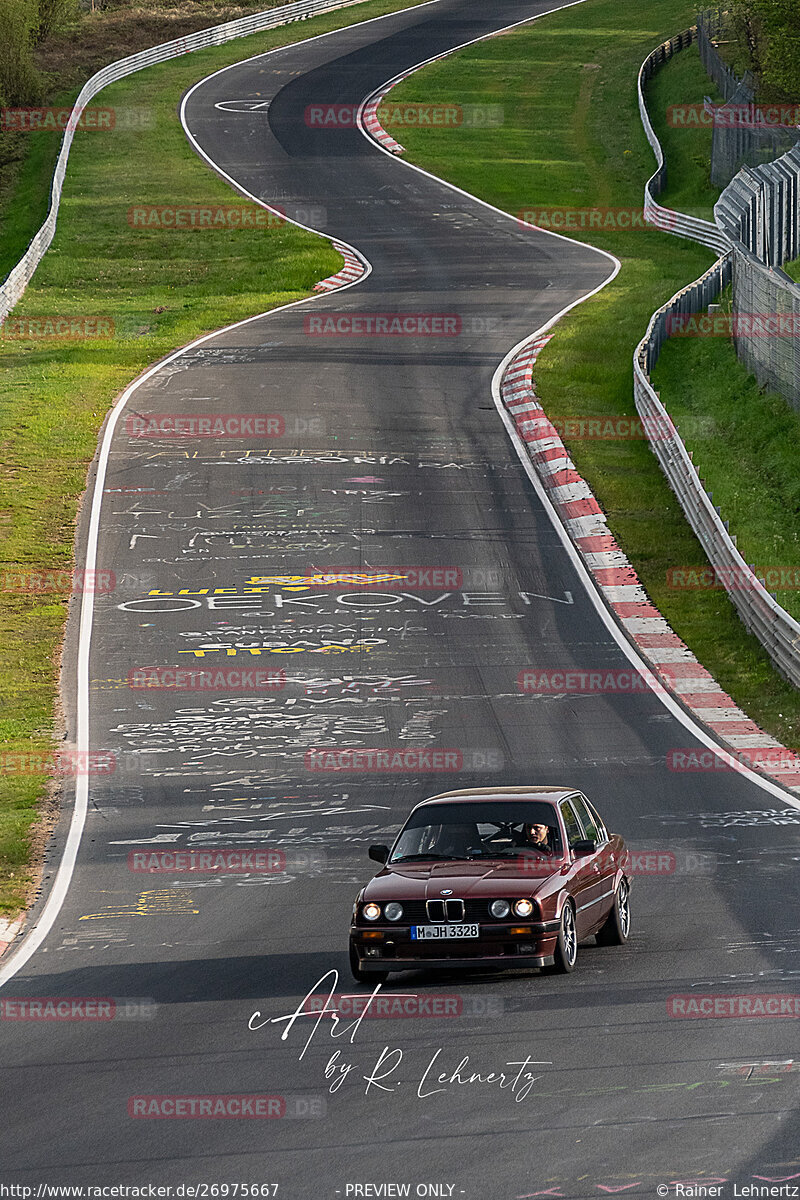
[777, 631]
[693, 228]
[19, 278]
[760, 213]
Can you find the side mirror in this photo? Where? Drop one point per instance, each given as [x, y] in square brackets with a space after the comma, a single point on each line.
[379, 853]
[584, 846]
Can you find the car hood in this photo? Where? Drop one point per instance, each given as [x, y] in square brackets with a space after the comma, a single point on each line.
[423, 881]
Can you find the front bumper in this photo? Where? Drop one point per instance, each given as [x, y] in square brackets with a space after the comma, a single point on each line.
[507, 962]
[496, 948]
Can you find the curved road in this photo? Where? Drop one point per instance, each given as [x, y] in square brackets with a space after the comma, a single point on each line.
[392, 455]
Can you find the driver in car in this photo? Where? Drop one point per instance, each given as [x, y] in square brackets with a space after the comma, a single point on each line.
[537, 837]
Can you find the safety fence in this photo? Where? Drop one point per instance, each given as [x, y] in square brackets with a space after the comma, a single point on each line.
[743, 133]
[760, 612]
[760, 214]
[778, 632]
[20, 276]
[713, 26]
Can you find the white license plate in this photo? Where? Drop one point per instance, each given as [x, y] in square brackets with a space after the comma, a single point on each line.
[426, 933]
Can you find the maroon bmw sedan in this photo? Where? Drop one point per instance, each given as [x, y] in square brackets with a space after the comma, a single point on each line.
[492, 877]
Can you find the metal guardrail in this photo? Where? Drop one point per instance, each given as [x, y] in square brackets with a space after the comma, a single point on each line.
[693, 228]
[760, 210]
[20, 276]
[760, 213]
[778, 632]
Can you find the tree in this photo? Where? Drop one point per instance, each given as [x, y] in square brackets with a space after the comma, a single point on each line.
[768, 31]
[53, 15]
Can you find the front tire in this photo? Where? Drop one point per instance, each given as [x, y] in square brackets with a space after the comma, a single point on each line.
[566, 951]
[364, 976]
[617, 925]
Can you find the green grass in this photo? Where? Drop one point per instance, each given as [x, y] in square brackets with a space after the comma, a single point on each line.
[161, 290]
[744, 443]
[572, 136]
[64, 61]
[25, 196]
[793, 269]
[687, 150]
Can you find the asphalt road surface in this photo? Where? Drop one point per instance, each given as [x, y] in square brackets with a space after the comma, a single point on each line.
[391, 456]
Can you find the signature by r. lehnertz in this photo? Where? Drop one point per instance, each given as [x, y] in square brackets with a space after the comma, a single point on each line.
[388, 1071]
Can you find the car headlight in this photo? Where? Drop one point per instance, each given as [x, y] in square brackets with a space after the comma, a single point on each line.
[523, 908]
[499, 908]
[372, 911]
[393, 911]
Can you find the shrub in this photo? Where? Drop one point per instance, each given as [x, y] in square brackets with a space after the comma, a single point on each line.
[19, 81]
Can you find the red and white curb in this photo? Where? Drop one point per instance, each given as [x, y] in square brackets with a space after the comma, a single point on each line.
[673, 664]
[8, 931]
[373, 125]
[369, 120]
[353, 269]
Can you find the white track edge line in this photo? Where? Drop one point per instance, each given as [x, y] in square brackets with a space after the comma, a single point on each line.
[454, 187]
[55, 900]
[34, 937]
[38, 932]
[630, 651]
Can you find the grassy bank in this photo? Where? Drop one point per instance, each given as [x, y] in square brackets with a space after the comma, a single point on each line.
[572, 137]
[687, 147]
[63, 63]
[160, 289]
[744, 443]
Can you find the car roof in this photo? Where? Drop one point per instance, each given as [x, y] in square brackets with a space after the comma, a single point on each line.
[548, 795]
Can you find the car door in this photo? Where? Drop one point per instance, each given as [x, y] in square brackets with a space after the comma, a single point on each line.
[604, 866]
[583, 875]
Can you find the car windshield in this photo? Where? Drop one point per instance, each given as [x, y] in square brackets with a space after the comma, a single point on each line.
[472, 831]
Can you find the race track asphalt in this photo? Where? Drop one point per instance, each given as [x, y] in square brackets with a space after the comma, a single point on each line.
[392, 456]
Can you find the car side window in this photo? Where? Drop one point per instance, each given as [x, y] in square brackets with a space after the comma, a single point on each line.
[586, 819]
[573, 827]
[598, 820]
